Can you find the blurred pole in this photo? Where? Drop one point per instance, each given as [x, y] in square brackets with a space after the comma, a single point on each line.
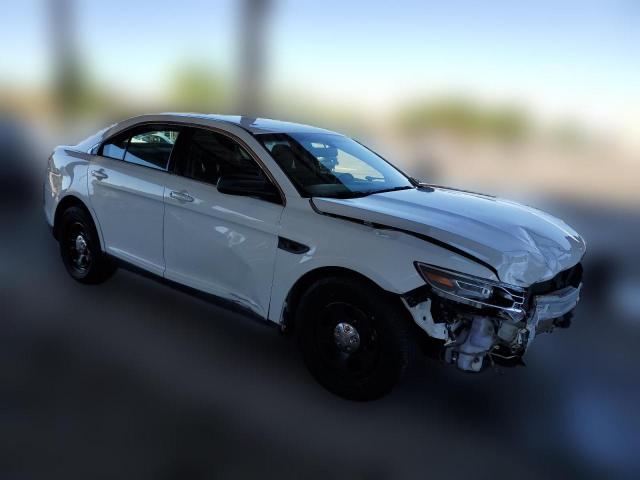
[253, 19]
[67, 84]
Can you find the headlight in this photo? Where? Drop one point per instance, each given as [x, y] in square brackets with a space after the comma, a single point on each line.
[473, 290]
[455, 283]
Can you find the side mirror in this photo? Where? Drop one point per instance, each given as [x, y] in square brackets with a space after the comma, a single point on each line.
[248, 186]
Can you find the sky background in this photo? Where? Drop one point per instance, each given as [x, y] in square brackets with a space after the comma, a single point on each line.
[560, 59]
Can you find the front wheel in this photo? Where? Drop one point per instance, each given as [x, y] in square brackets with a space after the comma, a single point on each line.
[80, 248]
[355, 340]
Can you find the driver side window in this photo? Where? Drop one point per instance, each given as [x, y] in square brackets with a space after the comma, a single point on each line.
[209, 155]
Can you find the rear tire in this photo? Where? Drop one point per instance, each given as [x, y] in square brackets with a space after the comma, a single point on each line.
[80, 248]
[354, 337]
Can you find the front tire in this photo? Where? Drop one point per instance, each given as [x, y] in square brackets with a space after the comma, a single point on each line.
[354, 337]
[80, 248]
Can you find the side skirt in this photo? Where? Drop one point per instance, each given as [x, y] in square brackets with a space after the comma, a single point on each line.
[225, 303]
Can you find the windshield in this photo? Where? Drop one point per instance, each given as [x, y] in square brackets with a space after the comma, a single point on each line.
[331, 165]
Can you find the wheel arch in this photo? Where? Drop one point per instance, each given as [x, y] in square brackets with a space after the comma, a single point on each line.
[74, 201]
[303, 283]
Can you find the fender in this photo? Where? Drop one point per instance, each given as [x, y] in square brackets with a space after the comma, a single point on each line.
[426, 238]
[383, 256]
[69, 168]
[69, 200]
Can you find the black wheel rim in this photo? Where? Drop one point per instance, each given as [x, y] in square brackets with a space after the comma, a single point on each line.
[356, 362]
[78, 249]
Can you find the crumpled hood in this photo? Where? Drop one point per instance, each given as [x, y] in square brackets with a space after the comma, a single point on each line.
[523, 244]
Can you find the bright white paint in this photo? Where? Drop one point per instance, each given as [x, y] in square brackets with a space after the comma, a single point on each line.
[129, 204]
[221, 244]
[227, 245]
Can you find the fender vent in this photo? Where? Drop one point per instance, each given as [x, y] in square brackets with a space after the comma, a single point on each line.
[292, 246]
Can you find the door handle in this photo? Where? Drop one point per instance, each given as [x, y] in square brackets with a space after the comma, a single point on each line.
[181, 196]
[99, 174]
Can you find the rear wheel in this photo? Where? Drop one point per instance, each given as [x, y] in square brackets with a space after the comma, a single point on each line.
[354, 338]
[80, 247]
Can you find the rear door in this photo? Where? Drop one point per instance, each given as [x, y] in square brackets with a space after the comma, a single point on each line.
[219, 243]
[126, 188]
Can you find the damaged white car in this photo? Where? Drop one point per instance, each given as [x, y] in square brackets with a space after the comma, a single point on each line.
[314, 232]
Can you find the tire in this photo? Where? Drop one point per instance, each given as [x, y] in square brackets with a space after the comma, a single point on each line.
[80, 248]
[334, 311]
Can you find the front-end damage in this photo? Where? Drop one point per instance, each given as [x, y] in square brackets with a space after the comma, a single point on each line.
[483, 323]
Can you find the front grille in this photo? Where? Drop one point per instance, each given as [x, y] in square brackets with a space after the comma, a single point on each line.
[571, 277]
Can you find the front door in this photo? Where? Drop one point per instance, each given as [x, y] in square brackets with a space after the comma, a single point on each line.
[219, 243]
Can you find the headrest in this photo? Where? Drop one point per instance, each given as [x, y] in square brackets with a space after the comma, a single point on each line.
[284, 155]
[325, 152]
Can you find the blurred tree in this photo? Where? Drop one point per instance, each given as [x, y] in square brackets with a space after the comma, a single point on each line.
[457, 115]
[74, 92]
[507, 123]
[569, 134]
[68, 84]
[198, 88]
[464, 118]
[253, 19]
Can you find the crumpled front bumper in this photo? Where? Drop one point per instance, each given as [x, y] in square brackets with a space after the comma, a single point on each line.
[548, 308]
[547, 312]
[544, 313]
[474, 339]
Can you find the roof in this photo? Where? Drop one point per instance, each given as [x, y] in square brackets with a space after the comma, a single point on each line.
[250, 124]
[255, 125]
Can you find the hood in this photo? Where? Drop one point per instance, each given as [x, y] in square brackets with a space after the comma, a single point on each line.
[524, 245]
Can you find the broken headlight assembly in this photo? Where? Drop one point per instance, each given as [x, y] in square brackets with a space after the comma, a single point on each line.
[474, 291]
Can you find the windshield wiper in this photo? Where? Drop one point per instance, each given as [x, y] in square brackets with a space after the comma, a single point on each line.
[365, 193]
[349, 194]
[384, 190]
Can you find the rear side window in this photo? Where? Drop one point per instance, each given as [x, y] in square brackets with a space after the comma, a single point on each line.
[151, 148]
[209, 155]
[147, 146]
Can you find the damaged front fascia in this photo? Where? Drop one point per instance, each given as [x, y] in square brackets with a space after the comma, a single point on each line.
[469, 333]
[463, 305]
[472, 334]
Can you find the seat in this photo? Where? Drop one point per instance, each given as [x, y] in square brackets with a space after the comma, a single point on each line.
[285, 156]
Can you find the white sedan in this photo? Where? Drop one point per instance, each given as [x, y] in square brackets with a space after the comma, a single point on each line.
[311, 230]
